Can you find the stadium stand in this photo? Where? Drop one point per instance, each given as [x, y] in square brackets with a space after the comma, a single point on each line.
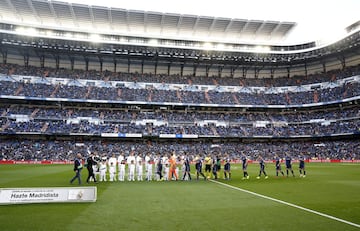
[60, 96]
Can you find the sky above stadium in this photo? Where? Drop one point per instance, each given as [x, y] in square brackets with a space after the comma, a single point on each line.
[316, 20]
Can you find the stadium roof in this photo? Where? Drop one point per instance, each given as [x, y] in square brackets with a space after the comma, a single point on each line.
[55, 14]
[274, 22]
[132, 22]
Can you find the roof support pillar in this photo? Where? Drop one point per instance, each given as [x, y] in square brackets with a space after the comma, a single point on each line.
[232, 71]
[128, 65]
[195, 69]
[220, 69]
[26, 60]
[244, 72]
[168, 68]
[272, 72]
[42, 61]
[115, 64]
[72, 63]
[343, 62]
[324, 66]
[86, 63]
[207, 69]
[4, 56]
[142, 67]
[288, 71]
[101, 64]
[57, 62]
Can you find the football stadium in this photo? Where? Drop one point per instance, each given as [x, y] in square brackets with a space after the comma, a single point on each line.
[192, 115]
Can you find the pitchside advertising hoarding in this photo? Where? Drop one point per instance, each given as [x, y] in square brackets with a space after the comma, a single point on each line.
[47, 195]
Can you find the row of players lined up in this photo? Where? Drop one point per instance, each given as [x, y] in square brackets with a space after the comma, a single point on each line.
[169, 167]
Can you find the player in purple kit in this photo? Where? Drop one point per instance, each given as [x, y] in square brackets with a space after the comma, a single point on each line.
[262, 168]
[278, 165]
[288, 165]
[186, 168]
[244, 167]
[302, 166]
[198, 167]
[227, 172]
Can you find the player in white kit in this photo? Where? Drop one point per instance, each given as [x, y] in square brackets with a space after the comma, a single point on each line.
[112, 171]
[122, 170]
[112, 167]
[131, 176]
[147, 161]
[149, 170]
[166, 170]
[120, 158]
[103, 169]
[140, 170]
[131, 164]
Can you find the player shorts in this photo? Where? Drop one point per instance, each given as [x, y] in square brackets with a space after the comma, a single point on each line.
[207, 168]
[227, 167]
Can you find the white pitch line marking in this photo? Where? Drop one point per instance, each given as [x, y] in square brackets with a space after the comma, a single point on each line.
[288, 204]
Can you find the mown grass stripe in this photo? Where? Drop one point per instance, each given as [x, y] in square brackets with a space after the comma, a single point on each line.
[288, 204]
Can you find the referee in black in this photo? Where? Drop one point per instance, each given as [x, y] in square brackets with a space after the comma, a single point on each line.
[89, 165]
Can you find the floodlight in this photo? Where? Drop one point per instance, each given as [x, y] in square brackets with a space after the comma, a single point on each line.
[153, 42]
[95, 38]
[28, 31]
[220, 46]
[207, 46]
[123, 39]
[68, 35]
[262, 49]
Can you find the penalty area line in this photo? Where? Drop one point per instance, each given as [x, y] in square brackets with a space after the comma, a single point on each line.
[287, 203]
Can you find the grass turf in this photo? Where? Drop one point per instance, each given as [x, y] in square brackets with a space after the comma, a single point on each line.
[332, 189]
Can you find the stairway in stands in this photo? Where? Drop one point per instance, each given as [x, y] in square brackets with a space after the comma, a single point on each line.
[33, 114]
[213, 128]
[235, 98]
[207, 97]
[88, 92]
[20, 88]
[45, 127]
[55, 91]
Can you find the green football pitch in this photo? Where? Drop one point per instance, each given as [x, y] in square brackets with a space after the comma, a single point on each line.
[327, 199]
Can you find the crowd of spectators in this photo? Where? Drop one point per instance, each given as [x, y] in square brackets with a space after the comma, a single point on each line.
[176, 78]
[66, 150]
[226, 124]
[172, 116]
[49, 120]
[187, 97]
[290, 130]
